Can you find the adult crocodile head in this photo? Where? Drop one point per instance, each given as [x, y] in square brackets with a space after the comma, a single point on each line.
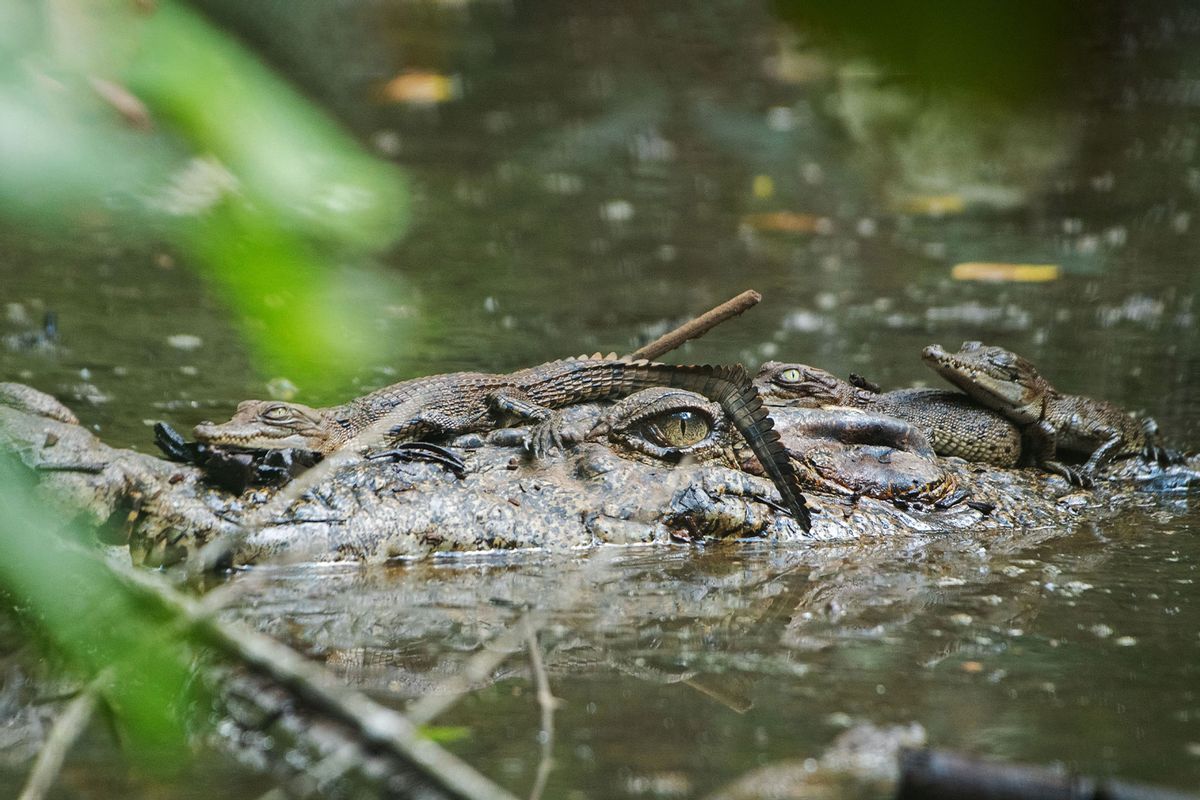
[802, 385]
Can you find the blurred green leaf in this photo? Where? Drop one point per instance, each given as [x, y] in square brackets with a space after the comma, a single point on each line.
[84, 618]
[265, 195]
[445, 734]
[293, 164]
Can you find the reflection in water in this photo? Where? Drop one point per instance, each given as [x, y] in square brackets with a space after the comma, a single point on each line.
[700, 663]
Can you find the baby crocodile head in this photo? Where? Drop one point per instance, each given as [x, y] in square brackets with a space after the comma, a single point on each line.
[272, 425]
[998, 378]
[807, 386]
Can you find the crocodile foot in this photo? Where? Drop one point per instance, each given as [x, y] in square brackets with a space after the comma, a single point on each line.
[554, 433]
[1165, 456]
[175, 447]
[1075, 476]
[423, 451]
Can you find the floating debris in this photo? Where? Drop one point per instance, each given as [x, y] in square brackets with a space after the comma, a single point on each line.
[934, 205]
[782, 222]
[421, 88]
[1000, 272]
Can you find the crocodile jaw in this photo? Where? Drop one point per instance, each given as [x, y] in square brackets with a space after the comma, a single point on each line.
[267, 425]
[1011, 395]
[253, 437]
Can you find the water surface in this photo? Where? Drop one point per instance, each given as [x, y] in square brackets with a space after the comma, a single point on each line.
[597, 175]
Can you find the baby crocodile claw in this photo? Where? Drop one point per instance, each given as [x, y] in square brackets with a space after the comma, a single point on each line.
[423, 451]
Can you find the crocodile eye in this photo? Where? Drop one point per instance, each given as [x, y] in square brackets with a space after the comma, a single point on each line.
[678, 429]
[668, 425]
[277, 414]
[1003, 359]
[791, 375]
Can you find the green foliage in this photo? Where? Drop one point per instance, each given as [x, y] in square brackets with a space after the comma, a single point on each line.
[258, 189]
[445, 734]
[293, 166]
[85, 619]
[1010, 49]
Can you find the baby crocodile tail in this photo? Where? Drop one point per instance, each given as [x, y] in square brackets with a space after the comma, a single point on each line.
[732, 388]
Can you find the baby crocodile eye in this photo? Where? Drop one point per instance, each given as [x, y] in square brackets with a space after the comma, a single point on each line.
[791, 375]
[277, 414]
[1003, 359]
[677, 429]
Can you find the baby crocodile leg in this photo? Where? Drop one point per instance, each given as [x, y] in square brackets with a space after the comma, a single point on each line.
[1043, 442]
[1113, 439]
[511, 401]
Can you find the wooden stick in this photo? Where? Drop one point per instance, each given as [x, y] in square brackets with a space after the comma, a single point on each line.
[699, 326]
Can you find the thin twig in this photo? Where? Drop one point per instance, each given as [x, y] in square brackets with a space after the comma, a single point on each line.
[547, 702]
[699, 326]
[67, 728]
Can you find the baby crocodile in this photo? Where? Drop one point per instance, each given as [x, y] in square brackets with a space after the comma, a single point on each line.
[954, 424]
[460, 402]
[1008, 383]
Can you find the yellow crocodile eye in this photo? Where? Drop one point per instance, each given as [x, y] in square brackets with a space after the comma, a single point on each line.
[790, 375]
[277, 414]
[677, 429]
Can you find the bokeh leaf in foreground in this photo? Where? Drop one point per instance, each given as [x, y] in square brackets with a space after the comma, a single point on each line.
[257, 188]
[85, 621]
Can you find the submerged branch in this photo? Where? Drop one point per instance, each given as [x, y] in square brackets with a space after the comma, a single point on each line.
[547, 702]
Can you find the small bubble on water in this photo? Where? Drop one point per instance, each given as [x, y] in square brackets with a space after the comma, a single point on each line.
[617, 211]
[185, 341]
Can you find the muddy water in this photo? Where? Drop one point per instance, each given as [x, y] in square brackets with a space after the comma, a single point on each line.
[593, 177]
